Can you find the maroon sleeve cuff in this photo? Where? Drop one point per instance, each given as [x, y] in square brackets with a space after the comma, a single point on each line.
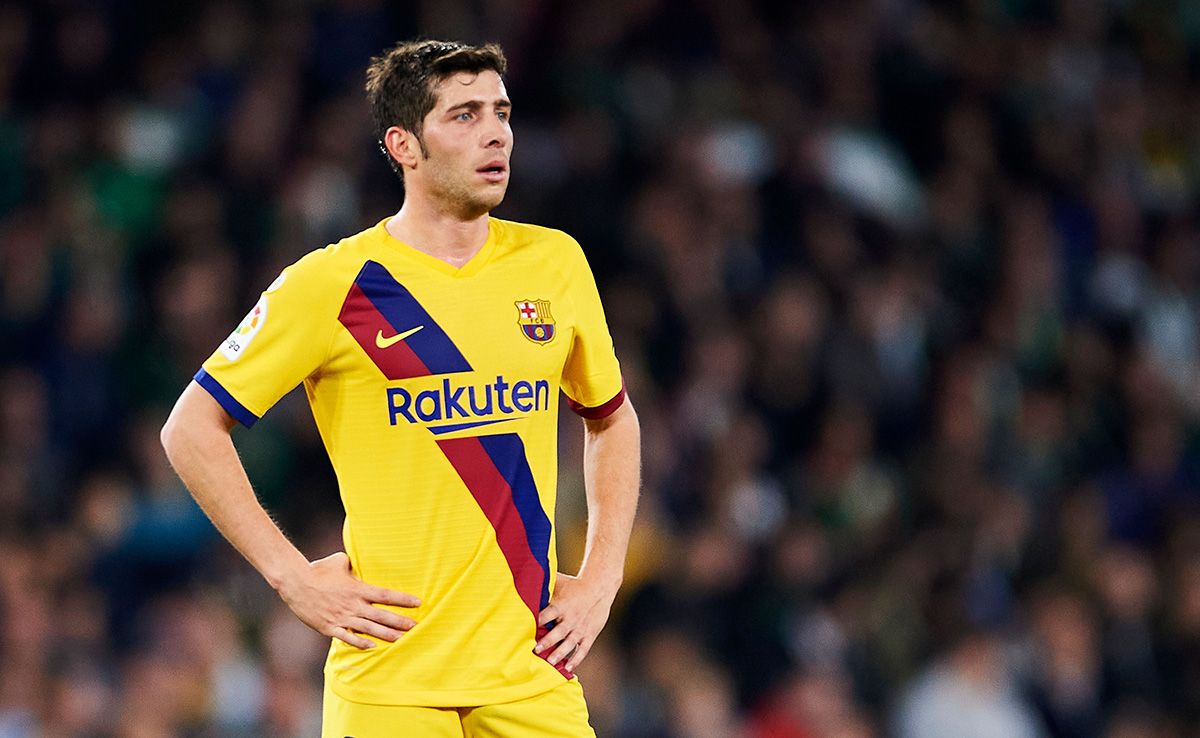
[600, 411]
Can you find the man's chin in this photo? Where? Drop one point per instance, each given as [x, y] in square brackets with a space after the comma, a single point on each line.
[486, 202]
[473, 202]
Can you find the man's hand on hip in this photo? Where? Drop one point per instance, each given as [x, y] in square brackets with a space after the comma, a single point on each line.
[328, 598]
[579, 610]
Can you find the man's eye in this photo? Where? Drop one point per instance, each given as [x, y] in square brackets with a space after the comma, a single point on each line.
[502, 115]
[464, 116]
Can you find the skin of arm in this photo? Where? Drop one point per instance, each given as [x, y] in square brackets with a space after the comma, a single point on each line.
[612, 476]
[324, 594]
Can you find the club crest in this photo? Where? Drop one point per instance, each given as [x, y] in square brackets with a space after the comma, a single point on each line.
[537, 324]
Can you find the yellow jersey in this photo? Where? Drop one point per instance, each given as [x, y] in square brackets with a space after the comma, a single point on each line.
[435, 391]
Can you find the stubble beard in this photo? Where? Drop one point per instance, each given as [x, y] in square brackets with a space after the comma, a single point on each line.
[466, 202]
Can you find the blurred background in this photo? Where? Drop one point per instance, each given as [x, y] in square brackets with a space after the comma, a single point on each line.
[906, 292]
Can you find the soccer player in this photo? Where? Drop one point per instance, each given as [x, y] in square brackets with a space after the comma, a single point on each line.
[433, 347]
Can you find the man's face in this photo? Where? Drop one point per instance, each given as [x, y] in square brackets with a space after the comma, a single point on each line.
[469, 140]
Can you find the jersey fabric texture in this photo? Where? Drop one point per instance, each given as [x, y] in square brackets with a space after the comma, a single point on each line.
[435, 390]
[558, 713]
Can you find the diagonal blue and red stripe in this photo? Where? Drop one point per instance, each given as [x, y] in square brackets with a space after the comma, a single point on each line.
[377, 306]
[497, 473]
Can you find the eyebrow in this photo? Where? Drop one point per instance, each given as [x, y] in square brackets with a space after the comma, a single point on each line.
[474, 105]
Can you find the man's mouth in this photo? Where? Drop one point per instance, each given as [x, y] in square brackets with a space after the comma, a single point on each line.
[494, 171]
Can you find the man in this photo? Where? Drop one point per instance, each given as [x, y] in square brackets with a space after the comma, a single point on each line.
[432, 348]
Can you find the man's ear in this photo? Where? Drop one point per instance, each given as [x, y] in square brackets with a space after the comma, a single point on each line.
[403, 146]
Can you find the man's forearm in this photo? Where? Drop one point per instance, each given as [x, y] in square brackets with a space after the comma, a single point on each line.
[196, 439]
[612, 476]
[324, 594]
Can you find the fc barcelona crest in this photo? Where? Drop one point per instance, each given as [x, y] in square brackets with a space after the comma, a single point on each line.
[535, 320]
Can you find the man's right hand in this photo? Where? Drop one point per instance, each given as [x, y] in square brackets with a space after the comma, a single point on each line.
[332, 601]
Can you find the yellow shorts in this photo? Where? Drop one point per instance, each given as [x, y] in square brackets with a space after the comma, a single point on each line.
[559, 713]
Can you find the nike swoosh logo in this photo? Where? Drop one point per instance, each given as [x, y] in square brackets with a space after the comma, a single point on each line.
[382, 342]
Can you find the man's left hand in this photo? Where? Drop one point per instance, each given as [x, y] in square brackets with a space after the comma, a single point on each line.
[579, 610]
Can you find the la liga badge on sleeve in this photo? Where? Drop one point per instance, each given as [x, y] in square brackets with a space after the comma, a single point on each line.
[535, 319]
[245, 332]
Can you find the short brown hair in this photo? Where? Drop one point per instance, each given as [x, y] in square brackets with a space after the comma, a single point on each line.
[401, 82]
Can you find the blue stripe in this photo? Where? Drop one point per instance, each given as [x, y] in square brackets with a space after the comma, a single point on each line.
[508, 454]
[226, 400]
[401, 309]
[463, 426]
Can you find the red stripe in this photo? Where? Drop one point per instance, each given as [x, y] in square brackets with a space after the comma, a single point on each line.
[366, 323]
[495, 498]
[600, 411]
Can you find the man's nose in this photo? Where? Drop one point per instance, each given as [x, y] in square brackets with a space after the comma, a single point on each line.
[498, 134]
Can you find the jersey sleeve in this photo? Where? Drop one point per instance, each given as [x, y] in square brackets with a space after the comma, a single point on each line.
[282, 341]
[591, 376]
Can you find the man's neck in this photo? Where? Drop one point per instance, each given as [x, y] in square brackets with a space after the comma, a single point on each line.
[440, 234]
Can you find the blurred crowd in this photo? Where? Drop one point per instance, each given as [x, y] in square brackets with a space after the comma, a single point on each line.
[906, 293]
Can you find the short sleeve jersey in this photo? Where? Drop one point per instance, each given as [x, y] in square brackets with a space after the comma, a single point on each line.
[435, 391]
